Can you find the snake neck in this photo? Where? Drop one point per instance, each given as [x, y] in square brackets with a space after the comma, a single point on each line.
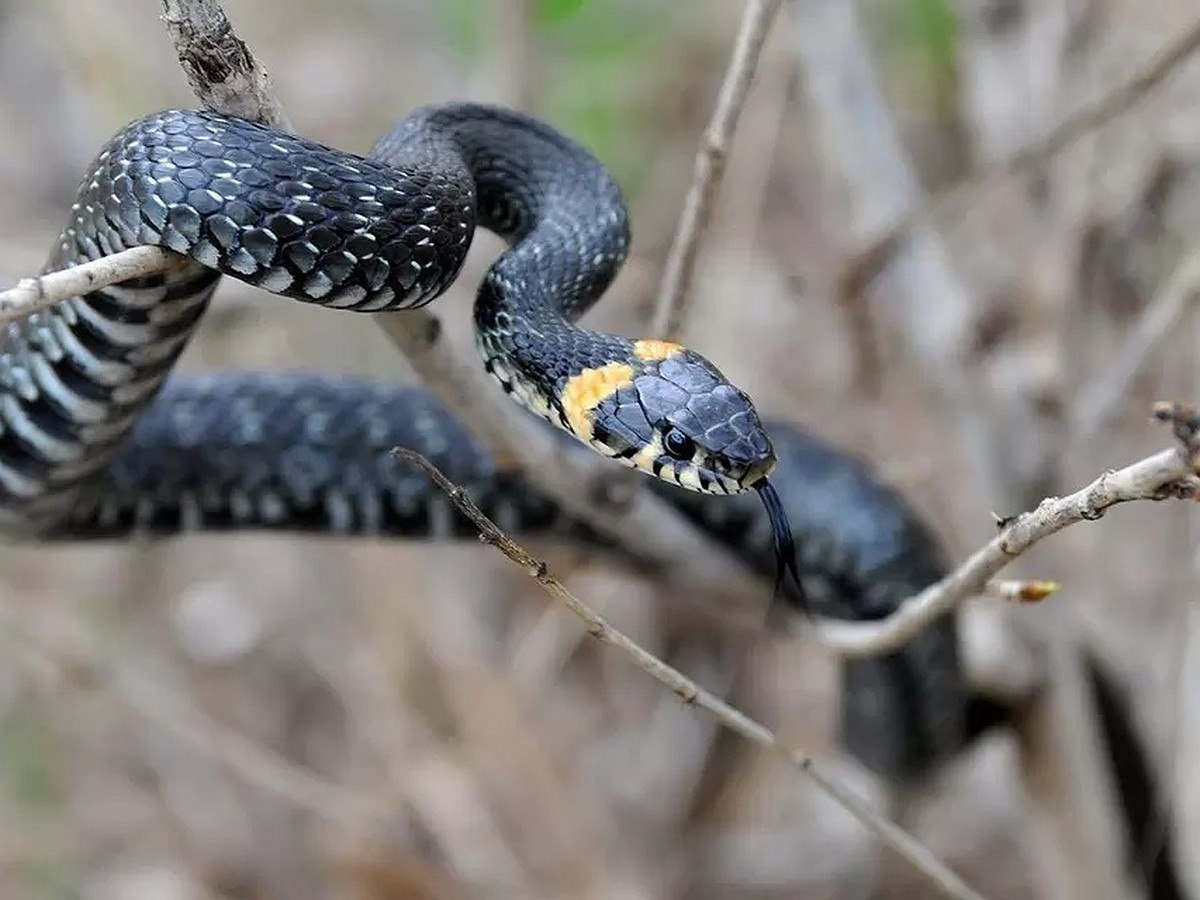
[534, 354]
[567, 229]
[555, 204]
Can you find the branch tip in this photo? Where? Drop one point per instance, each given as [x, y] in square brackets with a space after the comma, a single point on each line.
[1036, 591]
[1185, 425]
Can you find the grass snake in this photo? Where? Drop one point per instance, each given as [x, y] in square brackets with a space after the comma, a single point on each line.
[97, 443]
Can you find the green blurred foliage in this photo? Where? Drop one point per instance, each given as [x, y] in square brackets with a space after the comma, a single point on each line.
[930, 30]
[595, 62]
[917, 41]
[551, 12]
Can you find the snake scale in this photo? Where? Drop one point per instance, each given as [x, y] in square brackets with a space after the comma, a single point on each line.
[97, 443]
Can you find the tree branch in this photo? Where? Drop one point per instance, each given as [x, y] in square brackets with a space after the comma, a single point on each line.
[1170, 473]
[219, 66]
[672, 303]
[31, 294]
[689, 692]
[1118, 100]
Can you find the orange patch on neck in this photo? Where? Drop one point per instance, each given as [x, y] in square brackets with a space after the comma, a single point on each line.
[589, 389]
[652, 349]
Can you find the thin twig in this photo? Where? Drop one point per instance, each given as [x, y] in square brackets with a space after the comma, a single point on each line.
[1082, 122]
[1100, 401]
[671, 306]
[1170, 473]
[31, 294]
[1089, 118]
[691, 693]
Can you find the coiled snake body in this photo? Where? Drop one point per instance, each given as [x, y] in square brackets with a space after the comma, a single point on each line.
[93, 445]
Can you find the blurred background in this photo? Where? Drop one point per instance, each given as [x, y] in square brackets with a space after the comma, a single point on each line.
[264, 717]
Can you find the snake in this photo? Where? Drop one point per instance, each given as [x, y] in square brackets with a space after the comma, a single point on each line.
[98, 440]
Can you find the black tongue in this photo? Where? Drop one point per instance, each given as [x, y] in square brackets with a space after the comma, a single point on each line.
[785, 547]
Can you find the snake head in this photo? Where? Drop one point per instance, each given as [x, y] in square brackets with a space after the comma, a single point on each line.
[669, 412]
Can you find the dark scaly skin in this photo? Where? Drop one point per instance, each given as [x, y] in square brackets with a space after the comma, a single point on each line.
[369, 234]
[73, 378]
[309, 454]
[569, 233]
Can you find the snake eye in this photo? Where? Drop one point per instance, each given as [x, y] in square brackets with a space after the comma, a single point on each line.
[678, 444]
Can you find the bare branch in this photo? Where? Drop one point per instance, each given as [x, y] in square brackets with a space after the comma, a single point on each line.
[1170, 473]
[218, 64]
[689, 692]
[1100, 401]
[31, 294]
[1081, 123]
[671, 307]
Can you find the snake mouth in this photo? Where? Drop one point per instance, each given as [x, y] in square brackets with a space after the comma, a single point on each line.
[705, 480]
[756, 473]
[739, 479]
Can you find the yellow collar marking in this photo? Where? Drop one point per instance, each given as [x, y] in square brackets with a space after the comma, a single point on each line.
[589, 389]
[651, 349]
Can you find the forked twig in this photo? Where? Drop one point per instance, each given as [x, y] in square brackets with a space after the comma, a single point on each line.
[689, 692]
[1170, 473]
[671, 306]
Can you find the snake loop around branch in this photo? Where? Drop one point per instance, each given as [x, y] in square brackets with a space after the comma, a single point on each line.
[97, 442]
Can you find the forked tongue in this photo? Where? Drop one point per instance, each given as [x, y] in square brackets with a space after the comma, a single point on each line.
[781, 537]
